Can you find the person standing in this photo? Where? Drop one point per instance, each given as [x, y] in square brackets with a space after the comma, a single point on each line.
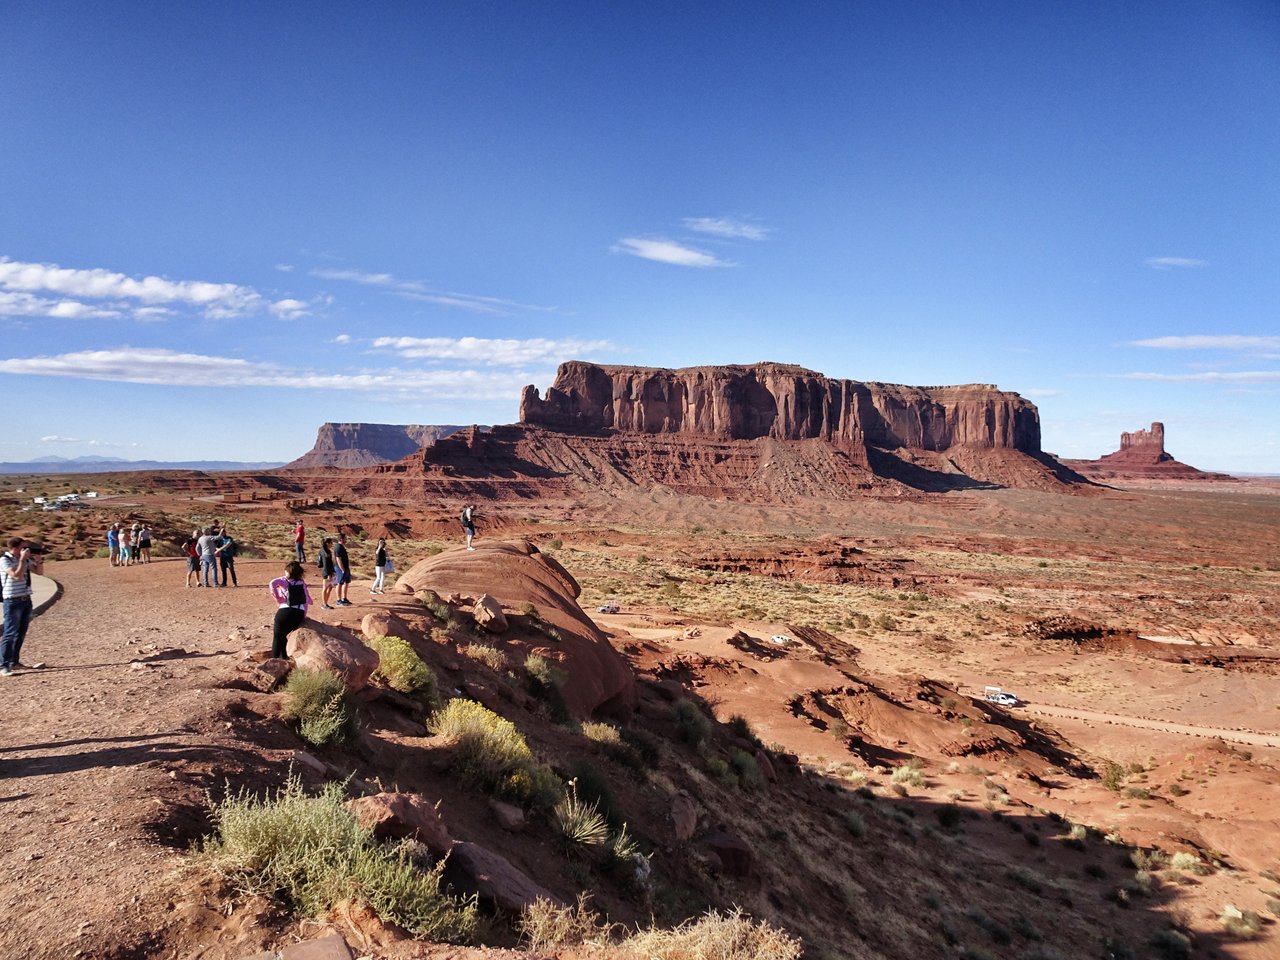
[207, 546]
[191, 550]
[113, 544]
[327, 572]
[144, 544]
[16, 567]
[292, 595]
[343, 564]
[300, 542]
[379, 567]
[227, 549]
[469, 523]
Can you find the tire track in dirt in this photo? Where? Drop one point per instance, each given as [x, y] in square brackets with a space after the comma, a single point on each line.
[1211, 733]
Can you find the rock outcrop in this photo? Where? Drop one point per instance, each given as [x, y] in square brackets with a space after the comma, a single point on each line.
[348, 445]
[1142, 456]
[765, 432]
[515, 575]
[781, 402]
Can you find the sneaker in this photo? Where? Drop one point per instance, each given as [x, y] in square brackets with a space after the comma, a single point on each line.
[5, 672]
[470, 548]
[325, 606]
[344, 603]
[18, 665]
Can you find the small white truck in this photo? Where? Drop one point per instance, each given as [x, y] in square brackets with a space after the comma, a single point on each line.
[999, 697]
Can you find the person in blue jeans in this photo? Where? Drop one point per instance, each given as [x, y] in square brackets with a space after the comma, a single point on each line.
[207, 546]
[16, 567]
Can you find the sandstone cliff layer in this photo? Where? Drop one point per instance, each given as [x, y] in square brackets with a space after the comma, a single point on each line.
[1142, 456]
[351, 445]
[766, 432]
[782, 402]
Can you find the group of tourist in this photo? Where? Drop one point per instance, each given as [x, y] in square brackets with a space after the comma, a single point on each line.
[209, 550]
[293, 597]
[129, 545]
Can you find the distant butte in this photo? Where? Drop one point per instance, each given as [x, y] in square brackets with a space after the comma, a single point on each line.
[1141, 456]
[766, 432]
[348, 445]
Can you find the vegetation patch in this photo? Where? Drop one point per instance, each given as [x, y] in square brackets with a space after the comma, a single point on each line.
[311, 853]
[493, 753]
[316, 700]
[403, 670]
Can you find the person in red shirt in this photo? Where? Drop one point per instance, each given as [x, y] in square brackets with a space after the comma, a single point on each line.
[299, 542]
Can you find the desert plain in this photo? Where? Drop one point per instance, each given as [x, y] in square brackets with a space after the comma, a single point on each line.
[806, 738]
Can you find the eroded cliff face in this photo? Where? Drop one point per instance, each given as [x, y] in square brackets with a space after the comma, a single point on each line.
[348, 445]
[781, 402]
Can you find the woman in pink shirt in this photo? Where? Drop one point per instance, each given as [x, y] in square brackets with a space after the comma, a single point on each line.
[291, 593]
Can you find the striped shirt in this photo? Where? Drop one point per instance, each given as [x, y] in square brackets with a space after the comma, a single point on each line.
[14, 587]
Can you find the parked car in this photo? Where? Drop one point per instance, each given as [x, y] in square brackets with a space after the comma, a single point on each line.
[607, 608]
[1003, 699]
[779, 639]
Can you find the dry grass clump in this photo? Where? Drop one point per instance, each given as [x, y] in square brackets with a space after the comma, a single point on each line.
[1240, 924]
[712, 936]
[493, 752]
[489, 655]
[605, 734]
[909, 773]
[311, 853]
[317, 701]
[403, 670]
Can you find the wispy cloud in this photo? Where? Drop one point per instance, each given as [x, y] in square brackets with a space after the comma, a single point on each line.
[1210, 342]
[14, 304]
[1034, 392]
[161, 367]
[289, 309]
[417, 290]
[121, 293]
[1174, 263]
[1208, 376]
[726, 227]
[490, 352]
[668, 251]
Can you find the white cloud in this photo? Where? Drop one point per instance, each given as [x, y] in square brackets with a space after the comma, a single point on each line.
[668, 251]
[27, 305]
[1209, 376]
[215, 299]
[1210, 342]
[285, 267]
[161, 367]
[417, 290]
[489, 352]
[289, 309]
[342, 338]
[1174, 263]
[727, 227]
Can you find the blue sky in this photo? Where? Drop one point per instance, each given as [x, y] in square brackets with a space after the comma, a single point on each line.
[224, 224]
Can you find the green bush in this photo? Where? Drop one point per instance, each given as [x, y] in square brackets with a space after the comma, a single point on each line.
[403, 670]
[745, 766]
[544, 683]
[1113, 776]
[317, 701]
[855, 824]
[693, 725]
[489, 655]
[909, 774]
[493, 753]
[311, 853]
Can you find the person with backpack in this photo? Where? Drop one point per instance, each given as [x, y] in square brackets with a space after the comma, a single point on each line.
[469, 523]
[227, 549]
[293, 597]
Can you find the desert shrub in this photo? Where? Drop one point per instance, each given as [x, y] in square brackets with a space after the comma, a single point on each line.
[909, 774]
[310, 852]
[1184, 861]
[317, 701]
[437, 607]
[492, 752]
[1171, 944]
[579, 821]
[692, 724]
[1178, 790]
[528, 609]
[1240, 924]
[728, 936]
[555, 544]
[403, 669]
[605, 734]
[1113, 776]
[745, 766]
[545, 681]
[546, 926]
[1137, 793]
[886, 623]
[593, 787]
[855, 824]
[740, 726]
[489, 655]
[997, 931]
[644, 743]
[949, 816]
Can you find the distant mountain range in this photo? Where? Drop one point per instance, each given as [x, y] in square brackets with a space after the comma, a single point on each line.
[110, 465]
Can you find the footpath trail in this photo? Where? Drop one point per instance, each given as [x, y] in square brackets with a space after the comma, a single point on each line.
[1214, 733]
[125, 724]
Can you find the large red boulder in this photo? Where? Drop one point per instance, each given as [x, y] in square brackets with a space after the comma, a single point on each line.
[395, 816]
[515, 574]
[322, 646]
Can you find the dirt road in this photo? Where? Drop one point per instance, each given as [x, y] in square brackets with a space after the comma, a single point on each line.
[1211, 733]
